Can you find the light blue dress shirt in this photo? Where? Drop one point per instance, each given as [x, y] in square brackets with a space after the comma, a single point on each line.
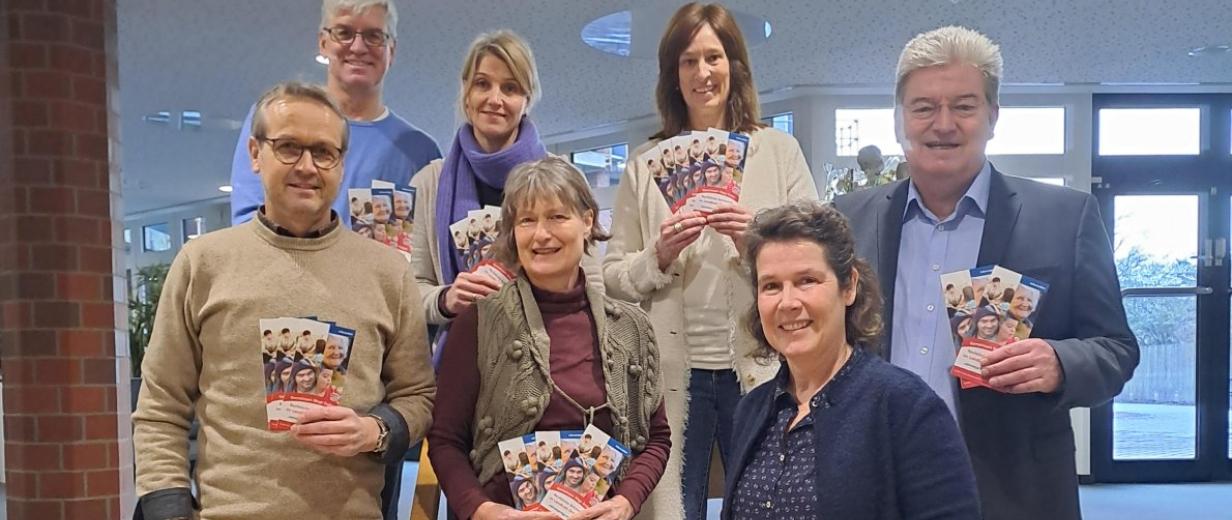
[920, 338]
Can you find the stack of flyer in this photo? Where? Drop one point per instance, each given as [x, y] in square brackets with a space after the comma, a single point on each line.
[305, 364]
[384, 213]
[561, 472]
[698, 171]
[473, 237]
[988, 307]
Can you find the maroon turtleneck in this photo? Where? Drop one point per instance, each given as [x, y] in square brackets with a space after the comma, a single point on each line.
[574, 361]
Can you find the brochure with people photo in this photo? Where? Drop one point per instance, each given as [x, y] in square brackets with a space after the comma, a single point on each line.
[361, 210]
[307, 368]
[404, 218]
[526, 471]
[1000, 309]
[384, 213]
[698, 171]
[586, 475]
[473, 237]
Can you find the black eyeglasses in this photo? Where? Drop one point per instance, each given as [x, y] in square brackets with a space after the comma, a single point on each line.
[289, 152]
[345, 35]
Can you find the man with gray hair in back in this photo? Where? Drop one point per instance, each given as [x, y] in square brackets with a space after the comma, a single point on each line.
[955, 212]
[358, 39]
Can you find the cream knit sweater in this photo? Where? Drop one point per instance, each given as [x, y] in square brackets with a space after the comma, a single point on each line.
[204, 356]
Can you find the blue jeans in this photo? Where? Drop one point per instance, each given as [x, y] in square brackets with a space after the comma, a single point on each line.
[712, 404]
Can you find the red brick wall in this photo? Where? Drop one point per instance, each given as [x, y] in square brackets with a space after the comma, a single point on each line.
[67, 451]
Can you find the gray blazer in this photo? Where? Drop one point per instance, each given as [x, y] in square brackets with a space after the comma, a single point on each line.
[1022, 446]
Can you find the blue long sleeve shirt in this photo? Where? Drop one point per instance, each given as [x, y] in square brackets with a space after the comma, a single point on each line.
[920, 335]
[388, 149]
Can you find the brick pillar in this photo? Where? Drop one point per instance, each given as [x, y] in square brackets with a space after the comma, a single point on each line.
[63, 339]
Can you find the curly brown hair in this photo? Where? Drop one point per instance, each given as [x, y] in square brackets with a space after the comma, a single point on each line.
[823, 225]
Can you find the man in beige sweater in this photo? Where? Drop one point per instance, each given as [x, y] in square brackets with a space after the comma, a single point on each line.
[204, 357]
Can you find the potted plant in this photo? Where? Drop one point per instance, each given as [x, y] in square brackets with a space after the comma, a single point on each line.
[146, 288]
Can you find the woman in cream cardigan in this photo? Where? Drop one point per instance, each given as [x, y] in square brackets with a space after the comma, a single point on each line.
[685, 268]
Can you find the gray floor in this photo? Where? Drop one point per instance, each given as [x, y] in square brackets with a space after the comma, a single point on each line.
[1099, 501]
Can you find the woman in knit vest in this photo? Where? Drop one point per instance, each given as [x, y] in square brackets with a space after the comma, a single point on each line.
[684, 268]
[548, 352]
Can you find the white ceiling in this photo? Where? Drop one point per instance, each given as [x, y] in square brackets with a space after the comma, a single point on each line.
[216, 56]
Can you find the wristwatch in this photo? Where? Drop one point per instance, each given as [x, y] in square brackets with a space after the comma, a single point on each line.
[382, 438]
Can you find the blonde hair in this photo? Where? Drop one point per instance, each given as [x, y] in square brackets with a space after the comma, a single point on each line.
[947, 45]
[513, 51]
[331, 8]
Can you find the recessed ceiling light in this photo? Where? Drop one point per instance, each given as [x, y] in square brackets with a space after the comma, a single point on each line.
[635, 33]
[225, 188]
[1210, 50]
[322, 60]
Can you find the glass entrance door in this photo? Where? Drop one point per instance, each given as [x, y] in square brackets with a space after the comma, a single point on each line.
[1169, 212]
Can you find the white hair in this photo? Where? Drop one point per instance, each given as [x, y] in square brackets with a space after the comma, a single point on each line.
[331, 8]
[952, 44]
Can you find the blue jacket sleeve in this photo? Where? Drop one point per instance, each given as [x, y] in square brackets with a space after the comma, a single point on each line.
[1097, 363]
[247, 193]
[934, 478]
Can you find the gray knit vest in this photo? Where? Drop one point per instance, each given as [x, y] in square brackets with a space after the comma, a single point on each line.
[513, 393]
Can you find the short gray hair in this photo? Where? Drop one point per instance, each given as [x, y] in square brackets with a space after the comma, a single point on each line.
[952, 44]
[301, 91]
[331, 8]
[543, 180]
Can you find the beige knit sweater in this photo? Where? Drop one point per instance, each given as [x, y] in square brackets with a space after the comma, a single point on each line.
[204, 355]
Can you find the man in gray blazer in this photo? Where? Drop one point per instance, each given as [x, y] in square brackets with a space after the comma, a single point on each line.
[956, 212]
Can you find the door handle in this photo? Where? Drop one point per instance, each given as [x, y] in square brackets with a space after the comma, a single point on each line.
[1158, 292]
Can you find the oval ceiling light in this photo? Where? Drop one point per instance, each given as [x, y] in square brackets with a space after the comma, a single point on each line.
[1210, 50]
[225, 188]
[635, 33]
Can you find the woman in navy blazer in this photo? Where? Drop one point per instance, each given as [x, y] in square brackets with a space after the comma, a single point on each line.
[839, 433]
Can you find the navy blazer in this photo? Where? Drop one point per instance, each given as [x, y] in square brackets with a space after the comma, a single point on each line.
[1022, 446]
[887, 447]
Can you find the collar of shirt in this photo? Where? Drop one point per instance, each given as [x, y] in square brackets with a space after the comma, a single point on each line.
[974, 201]
[316, 233]
[783, 392]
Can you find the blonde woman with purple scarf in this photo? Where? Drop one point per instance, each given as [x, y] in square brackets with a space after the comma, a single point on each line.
[499, 86]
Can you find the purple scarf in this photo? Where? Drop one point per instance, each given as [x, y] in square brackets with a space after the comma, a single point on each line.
[457, 193]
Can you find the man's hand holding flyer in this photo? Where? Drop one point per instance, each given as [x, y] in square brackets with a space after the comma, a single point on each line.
[989, 307]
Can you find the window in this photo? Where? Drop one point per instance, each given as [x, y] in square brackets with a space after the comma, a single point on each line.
[193, 228]
[1019, 131]
[602, 165]
[1029, 131]
[128, 238]
[784, 122]
[1150, 131]
[1055, 181]
[156, 237]
[855, 128]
